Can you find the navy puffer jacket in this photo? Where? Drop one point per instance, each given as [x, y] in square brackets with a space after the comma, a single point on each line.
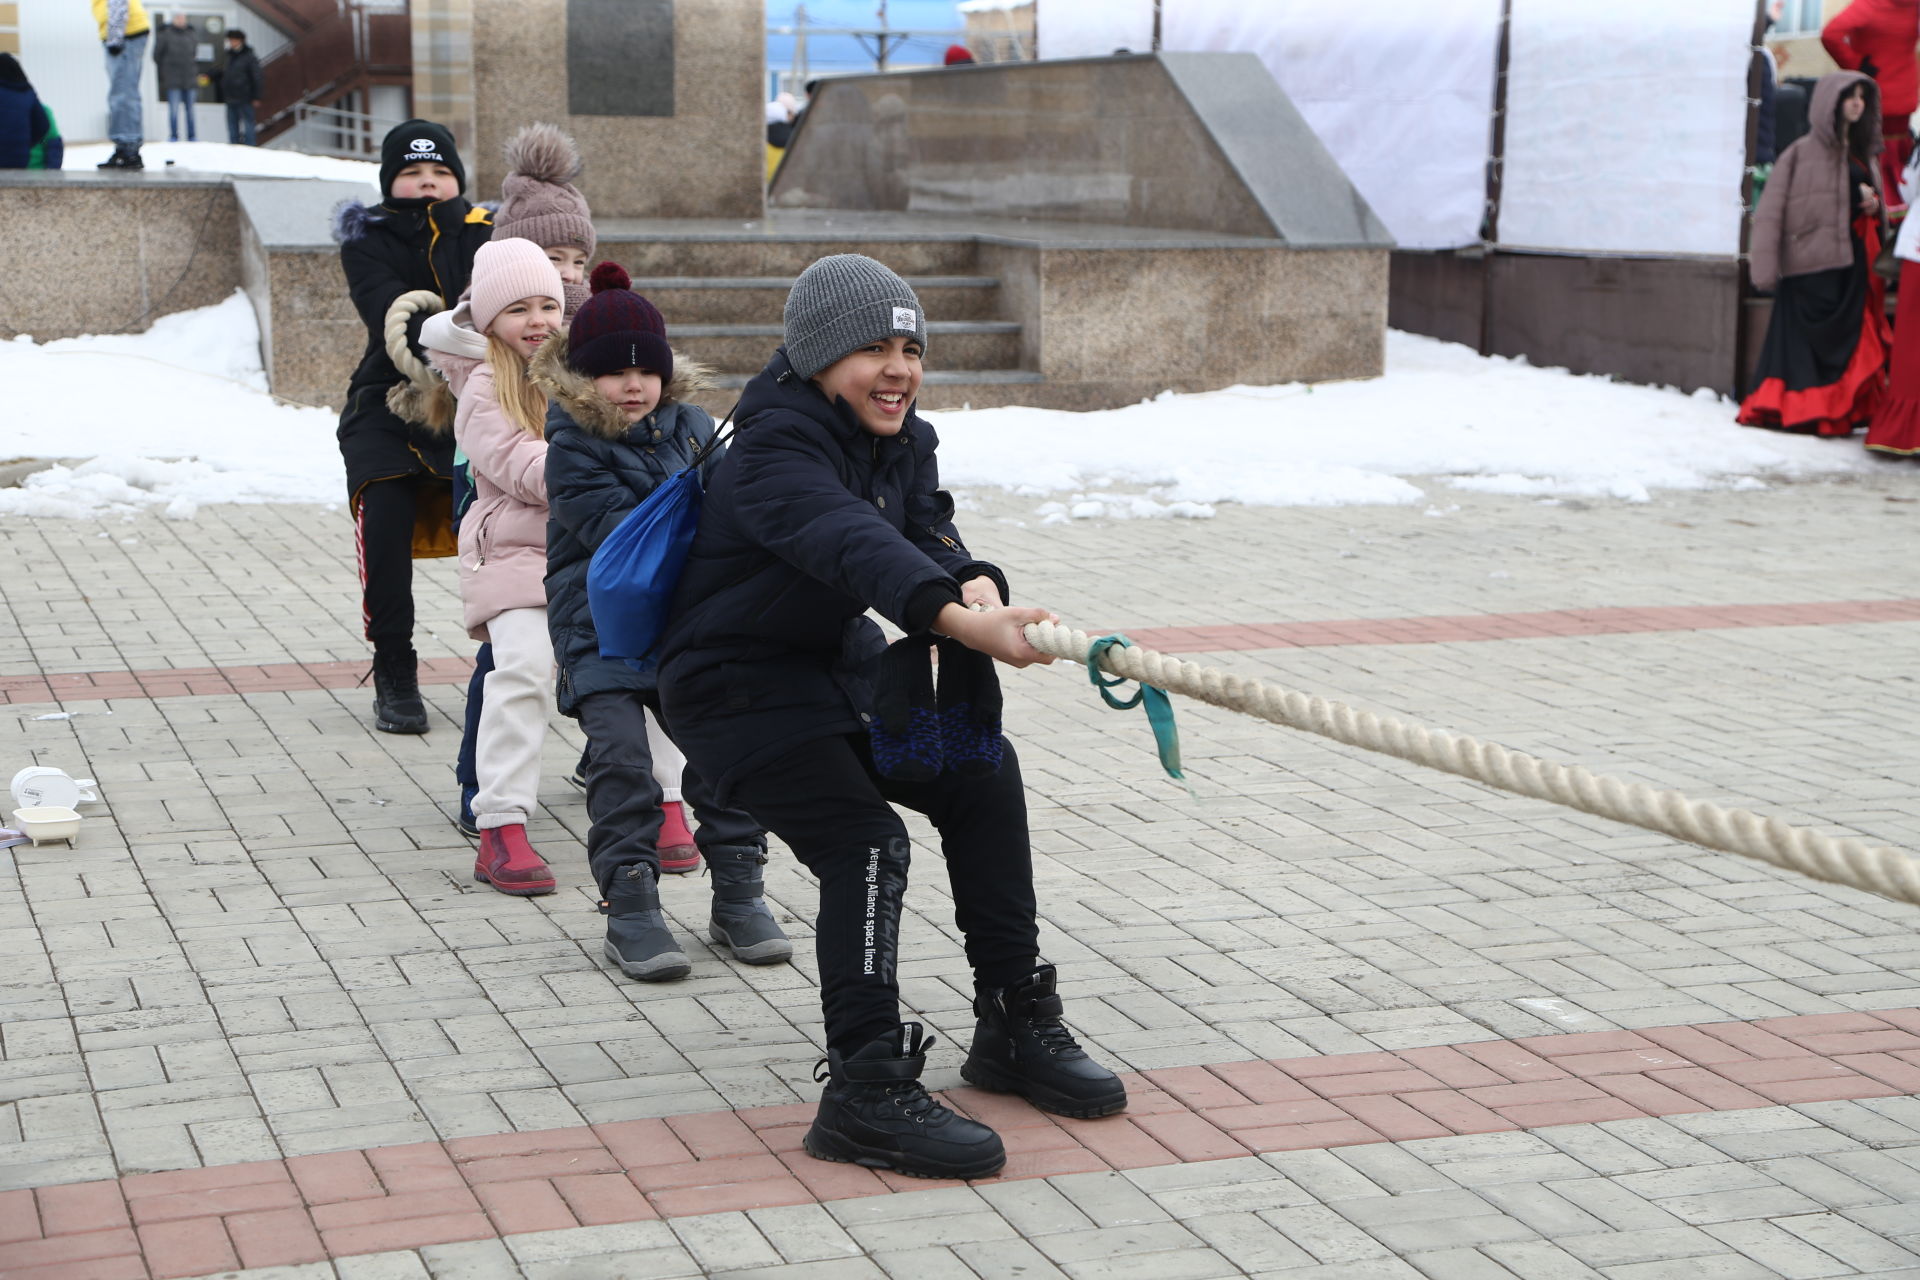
[599, 468]
[809, 521]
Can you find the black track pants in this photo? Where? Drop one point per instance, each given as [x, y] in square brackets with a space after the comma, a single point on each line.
[384, 533]
[831, 807]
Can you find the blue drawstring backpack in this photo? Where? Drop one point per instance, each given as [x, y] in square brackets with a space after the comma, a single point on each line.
[631, 578]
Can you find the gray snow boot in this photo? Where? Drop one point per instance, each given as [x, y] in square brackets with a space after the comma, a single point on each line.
[741, 921]
[638, 939]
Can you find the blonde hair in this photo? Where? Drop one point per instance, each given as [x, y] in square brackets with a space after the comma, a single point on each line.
[525, 404]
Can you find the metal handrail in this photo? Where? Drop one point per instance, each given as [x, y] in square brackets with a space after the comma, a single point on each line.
[333, 131]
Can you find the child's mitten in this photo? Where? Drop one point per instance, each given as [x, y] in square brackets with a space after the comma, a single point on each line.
[969, 702]
[906, 728]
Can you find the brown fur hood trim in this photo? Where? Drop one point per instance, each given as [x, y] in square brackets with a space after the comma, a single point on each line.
[574, 391]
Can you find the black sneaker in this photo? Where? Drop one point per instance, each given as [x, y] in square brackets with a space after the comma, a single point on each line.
[397, 706]
[874, 1112]
[1021, 1046]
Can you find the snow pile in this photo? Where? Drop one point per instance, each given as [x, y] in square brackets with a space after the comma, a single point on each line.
[220, 157]
[179, 416]
[169, 419]
[1492, 425]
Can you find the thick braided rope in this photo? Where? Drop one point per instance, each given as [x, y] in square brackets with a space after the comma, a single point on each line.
[1877, 869]
[399, 314]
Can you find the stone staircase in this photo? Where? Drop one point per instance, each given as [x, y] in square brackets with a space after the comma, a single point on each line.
[722, 299]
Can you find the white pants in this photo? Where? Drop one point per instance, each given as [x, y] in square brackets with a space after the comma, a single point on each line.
[513, 718]
[667, 760]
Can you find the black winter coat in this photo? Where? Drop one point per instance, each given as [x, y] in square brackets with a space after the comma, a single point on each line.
[809, 521]
[241, 79]
[387, 250]
[599, 468]
[174, 51]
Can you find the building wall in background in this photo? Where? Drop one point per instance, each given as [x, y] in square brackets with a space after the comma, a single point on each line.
[59, 47]
[443, 65]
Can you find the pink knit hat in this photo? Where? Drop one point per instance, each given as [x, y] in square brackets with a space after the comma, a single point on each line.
[505, 271]
[538, 200]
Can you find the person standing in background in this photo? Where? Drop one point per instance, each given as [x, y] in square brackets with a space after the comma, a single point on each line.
[1877, 37]
[240, 87]
[123, 30]
[174, 48]
[1823, 365]
[28, 137]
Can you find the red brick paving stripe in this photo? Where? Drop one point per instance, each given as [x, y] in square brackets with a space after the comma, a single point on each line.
[281, 677]
[157, 1226]
[198, 682]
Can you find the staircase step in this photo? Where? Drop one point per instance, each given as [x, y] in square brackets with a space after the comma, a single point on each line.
[744, 348]
[939, 389]
[786, 282]
[935, 328]
[931, 378]
[710, 300]
[645, 251]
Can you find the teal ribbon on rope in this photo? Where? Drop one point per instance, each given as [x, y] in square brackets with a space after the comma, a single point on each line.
[1166, 736]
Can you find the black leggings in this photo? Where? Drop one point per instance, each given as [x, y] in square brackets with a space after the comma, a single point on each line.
[831, 807]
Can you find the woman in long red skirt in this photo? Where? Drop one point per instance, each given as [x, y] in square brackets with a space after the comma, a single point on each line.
[1823, 366]
[1896, 427]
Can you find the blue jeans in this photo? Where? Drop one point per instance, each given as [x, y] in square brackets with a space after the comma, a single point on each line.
[124, 124]
[240, 123]
[180, 102]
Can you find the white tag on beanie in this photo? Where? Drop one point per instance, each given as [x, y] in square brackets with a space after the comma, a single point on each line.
[904, 318]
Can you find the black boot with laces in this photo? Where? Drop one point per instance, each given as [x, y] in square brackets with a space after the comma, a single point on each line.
[397, 705]
[1020, 1046]
[874, 1112]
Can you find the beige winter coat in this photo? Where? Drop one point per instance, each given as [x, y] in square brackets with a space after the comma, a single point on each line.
[1805, 218]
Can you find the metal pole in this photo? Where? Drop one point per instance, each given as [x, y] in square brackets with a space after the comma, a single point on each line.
[880, 45]
[800, 48]
[1156, 26]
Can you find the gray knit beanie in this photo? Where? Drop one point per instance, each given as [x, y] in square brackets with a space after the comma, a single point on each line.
[842, 303]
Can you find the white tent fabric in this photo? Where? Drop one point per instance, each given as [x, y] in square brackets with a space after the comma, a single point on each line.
[1399, 91]
[1626, 126]
[1092, 28]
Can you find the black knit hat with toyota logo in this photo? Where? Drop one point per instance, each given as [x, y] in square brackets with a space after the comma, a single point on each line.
[413, 142]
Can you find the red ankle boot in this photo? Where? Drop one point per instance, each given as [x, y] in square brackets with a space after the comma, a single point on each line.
[508, 863]
[678, 853]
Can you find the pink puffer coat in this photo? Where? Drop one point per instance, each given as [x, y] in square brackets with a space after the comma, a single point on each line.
[503, 535]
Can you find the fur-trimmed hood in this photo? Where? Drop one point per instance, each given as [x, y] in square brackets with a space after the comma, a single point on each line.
[574, 391]
[352, 218]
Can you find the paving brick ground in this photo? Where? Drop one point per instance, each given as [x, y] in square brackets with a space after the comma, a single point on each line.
[260, 1010]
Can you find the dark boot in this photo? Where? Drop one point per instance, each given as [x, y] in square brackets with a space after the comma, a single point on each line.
[741, 922]
[874, 1112]
[397, 707]
[638, 939]
[1020, 1046]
